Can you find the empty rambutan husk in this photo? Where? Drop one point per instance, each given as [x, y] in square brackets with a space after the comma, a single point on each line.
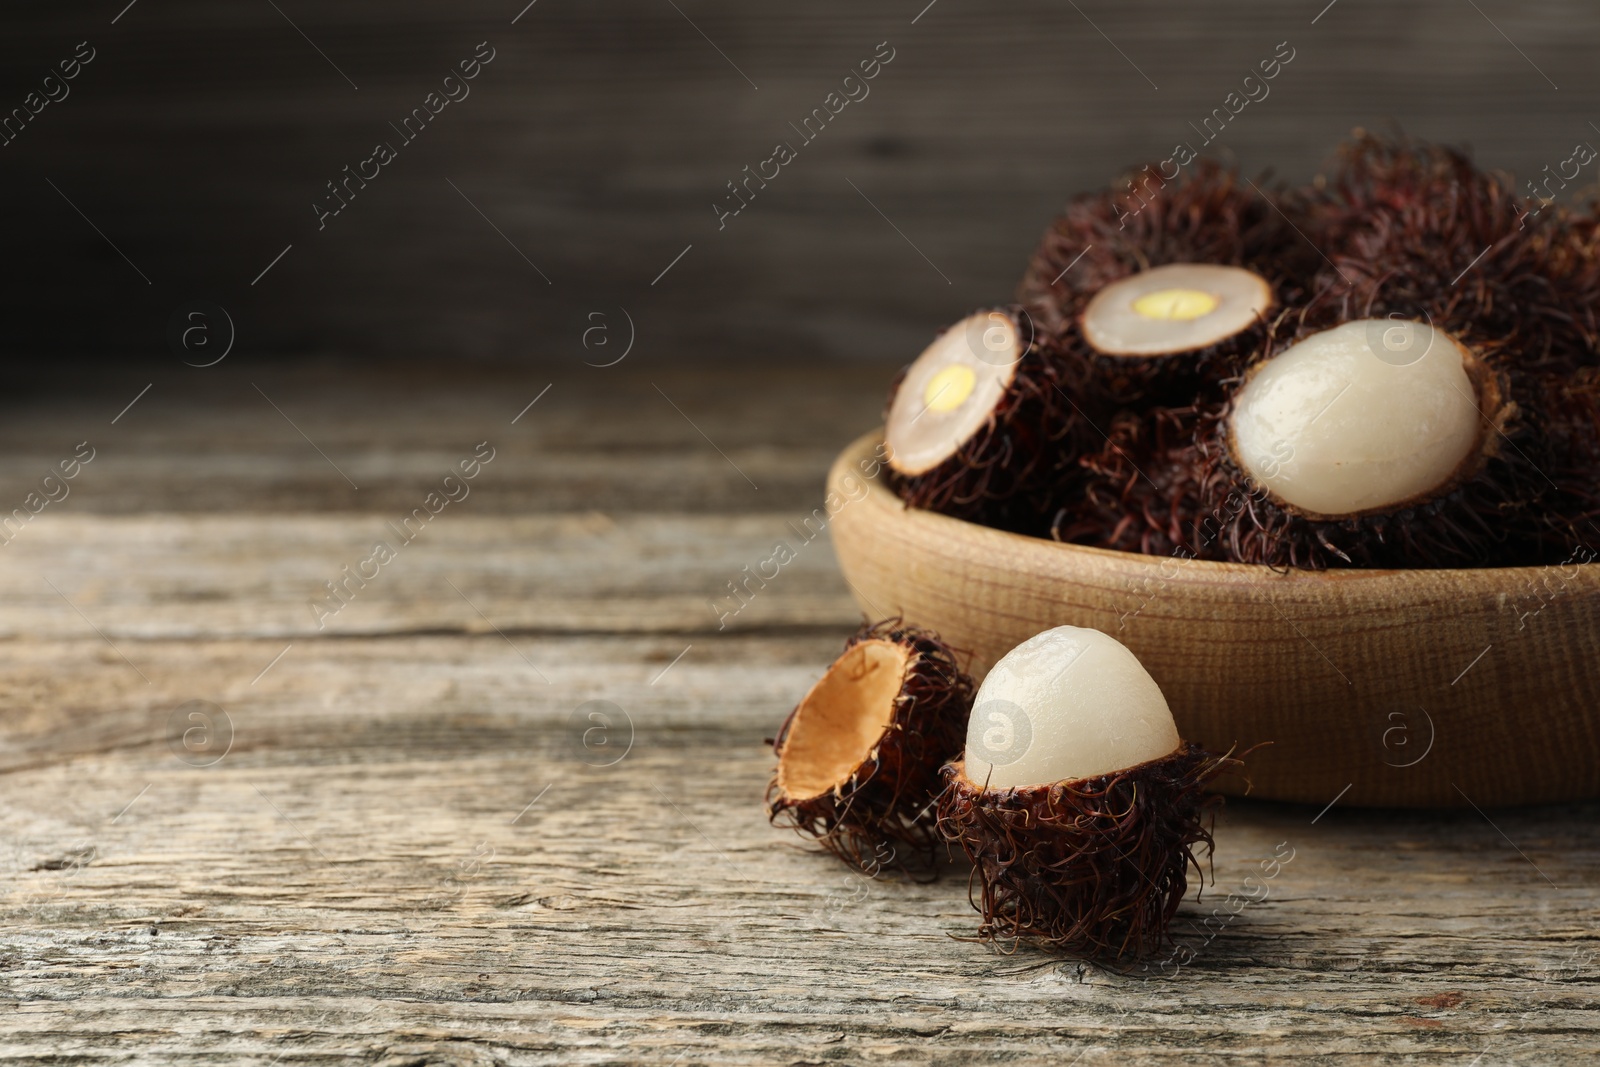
[859, 756]
[1076, 800]
[983, 419]
[1209, 254]
[1095, 867]
[1480, 510]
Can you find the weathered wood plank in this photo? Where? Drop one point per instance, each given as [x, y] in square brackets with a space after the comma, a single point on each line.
[599, 139]
[407, 854]
[361, 873]
[147, 577]
[640, 436]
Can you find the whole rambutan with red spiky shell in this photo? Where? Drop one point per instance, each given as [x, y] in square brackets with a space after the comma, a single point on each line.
[1134, 493]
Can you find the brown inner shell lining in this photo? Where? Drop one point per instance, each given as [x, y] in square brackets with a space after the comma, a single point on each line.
[841, 720]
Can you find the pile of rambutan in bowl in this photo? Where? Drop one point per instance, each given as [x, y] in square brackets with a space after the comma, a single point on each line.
[1326, 459]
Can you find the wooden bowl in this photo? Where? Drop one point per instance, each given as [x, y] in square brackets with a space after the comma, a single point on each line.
[1430, 688]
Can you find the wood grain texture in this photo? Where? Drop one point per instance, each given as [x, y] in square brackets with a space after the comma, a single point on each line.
[1431, 688]
[601, 135]
[408, 855]
[647, 435]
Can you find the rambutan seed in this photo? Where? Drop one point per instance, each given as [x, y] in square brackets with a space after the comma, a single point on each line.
[1178, 308]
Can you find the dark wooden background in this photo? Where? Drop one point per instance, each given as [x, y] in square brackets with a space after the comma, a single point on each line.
[600, 136]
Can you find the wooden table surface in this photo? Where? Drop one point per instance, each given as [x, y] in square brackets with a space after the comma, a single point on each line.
[401, 838]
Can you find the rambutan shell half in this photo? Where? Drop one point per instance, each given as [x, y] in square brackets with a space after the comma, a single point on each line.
[1095, 867]
[859, 756]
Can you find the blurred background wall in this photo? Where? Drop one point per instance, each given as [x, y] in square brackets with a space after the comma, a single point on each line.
[185, 157]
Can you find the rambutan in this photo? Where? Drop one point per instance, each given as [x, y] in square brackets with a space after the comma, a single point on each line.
[983, 419]
[1567, 524]
[1168, 298]
[859, 756]
[1076, 801]
[1415, 231]
[1371, 444]
[1139, 492]
[1431, 409]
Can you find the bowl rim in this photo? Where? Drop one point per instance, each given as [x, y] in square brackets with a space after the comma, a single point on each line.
[866, 447]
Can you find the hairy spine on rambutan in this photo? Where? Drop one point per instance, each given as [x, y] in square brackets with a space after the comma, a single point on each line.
[1565, 527]
[1415, 230]
[1076, 800]
[1134, 493]
[984, 420]
[1095, 867]
[859, 756]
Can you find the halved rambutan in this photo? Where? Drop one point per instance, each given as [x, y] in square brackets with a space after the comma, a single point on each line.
[1375, 443]
[1076, 801]
[1168, 298]
[1206, 215]
[985, 417]
[859, 756]
[1170, 334]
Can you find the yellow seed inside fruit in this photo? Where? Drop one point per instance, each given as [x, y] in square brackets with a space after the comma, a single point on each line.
[1179, 305]
[950, 388]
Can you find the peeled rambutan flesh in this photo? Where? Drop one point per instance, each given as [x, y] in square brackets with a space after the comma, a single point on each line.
[985, 417]
[859, 756]
[1206, 215]
[1375, 443]
[1411, 425]
[1076, 801]
[1170, 334]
